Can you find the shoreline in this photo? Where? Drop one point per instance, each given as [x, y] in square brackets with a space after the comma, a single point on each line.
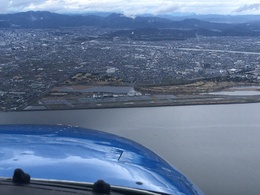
[184, 101]
[196, 93]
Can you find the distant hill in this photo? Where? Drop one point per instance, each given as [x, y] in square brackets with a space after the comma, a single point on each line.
[214, 18]
[152, 34]
[47, 20]
[189, 27]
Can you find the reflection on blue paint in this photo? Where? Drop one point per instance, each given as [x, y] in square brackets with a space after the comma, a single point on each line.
[76, 154]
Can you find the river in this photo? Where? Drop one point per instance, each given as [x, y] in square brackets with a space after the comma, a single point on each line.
[216, 146]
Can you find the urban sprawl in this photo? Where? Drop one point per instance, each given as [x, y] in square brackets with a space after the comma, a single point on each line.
[79, 68]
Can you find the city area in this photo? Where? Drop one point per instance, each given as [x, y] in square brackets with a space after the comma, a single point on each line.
[72, 68]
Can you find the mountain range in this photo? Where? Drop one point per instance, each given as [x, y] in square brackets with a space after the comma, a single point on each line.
[118, 21]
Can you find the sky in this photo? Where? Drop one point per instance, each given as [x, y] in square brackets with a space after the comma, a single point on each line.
[134, 7]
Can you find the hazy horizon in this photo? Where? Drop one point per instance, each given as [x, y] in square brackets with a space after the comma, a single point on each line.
[134, 7]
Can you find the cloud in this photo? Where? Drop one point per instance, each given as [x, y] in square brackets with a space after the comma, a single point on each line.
[17, 5]
[166, 9]
[251, 7]
[25, 3]
[131, 7]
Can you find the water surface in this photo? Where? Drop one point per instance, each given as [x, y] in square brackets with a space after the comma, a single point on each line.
[216, 146]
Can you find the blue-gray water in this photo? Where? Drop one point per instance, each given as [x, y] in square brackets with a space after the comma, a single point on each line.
[216, 146]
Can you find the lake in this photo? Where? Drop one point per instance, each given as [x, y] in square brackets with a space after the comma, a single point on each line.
[216, 146]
